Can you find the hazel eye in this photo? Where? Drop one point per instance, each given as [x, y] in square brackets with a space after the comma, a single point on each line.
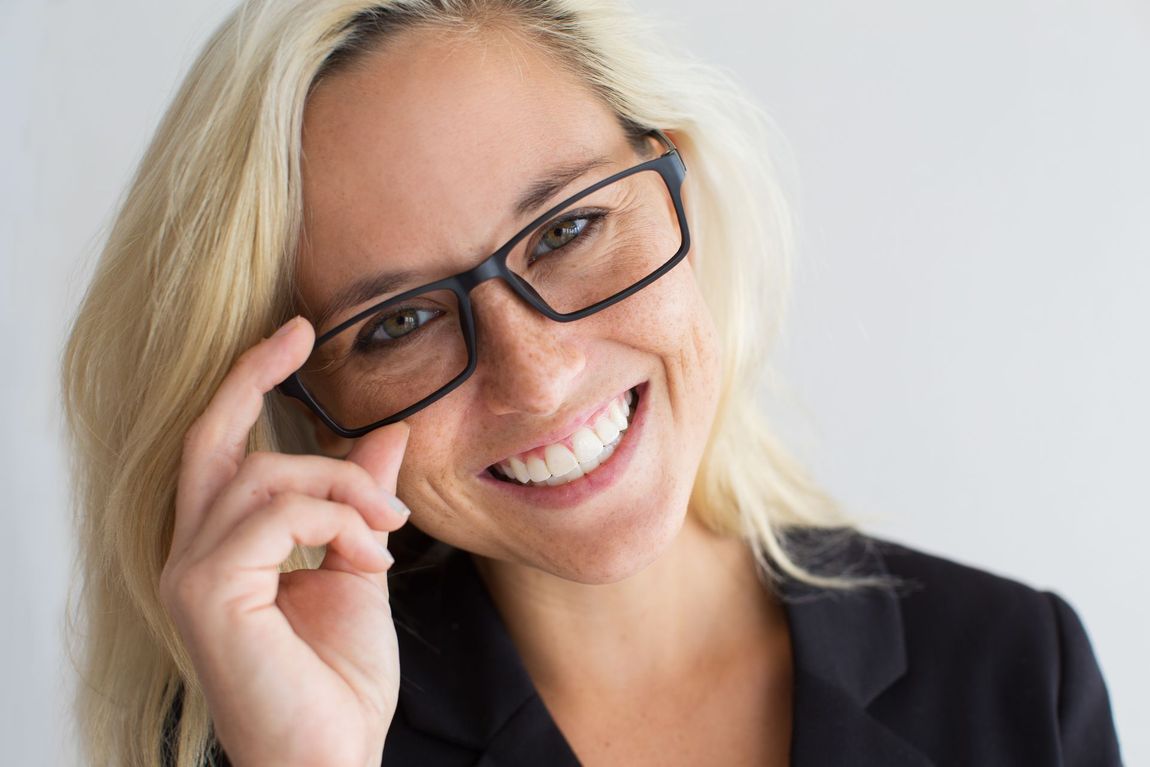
[568, 234]
[560, 233]
[394, 326]
[402, 323]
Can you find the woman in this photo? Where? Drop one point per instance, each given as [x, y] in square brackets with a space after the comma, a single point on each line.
[517, 253]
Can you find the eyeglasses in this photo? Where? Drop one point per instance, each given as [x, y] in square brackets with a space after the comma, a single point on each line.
[590, 251]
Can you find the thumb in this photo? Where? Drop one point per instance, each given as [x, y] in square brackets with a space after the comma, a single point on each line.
[381, 453]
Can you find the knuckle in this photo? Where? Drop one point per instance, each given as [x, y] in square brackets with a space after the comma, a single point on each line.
[180, 588]
[164, 587]
[248, 493]
[357, 525]
[347, 518]
[350, 515]
[357, 473]
[343, 509]
[343, 519]
[346, 482]
[193, 436]
[198, 441]
[259, 462]
[246, 360]
[358, 482]
[281, 506]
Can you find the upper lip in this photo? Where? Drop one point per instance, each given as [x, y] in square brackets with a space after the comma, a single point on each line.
[560, 433]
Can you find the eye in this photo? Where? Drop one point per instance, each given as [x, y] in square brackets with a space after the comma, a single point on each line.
[560, 233]
[393, 326]
[563, 232]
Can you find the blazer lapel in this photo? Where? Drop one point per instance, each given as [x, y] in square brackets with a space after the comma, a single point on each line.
[461, 679]
[831, 729]
[528, 739]
[849, 647]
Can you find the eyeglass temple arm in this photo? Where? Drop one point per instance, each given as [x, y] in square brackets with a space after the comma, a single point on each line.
[662, 137]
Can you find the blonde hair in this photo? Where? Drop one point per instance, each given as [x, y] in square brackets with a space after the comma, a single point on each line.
[198, 266]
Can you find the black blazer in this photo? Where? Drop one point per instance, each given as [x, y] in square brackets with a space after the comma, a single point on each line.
[954, 667]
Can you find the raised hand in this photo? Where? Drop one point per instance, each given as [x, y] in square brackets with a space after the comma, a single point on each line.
[298, 668]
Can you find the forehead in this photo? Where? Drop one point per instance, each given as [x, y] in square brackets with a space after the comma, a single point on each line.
[413, 158]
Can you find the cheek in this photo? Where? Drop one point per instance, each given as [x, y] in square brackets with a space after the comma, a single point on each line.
[684, 334]
[434, 480]
[432, 454]
[706, 348]
[673, 320]
[434, 484]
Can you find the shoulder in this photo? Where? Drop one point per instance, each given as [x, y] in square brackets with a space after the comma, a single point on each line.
[960, 603]
[990, 649]
[960, 664]
[989, 619]
[936, 595]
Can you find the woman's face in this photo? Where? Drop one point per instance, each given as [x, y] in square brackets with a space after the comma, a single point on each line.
[413, 161]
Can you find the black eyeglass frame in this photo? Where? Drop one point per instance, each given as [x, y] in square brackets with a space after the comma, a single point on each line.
[669, 166]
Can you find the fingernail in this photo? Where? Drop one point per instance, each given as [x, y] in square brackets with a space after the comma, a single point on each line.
[387, 555]
[399, 506]
[286, 327]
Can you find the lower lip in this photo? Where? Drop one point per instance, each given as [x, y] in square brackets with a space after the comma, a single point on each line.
[573, 493]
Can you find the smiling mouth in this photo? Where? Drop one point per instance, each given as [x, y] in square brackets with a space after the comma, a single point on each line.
[581, 453]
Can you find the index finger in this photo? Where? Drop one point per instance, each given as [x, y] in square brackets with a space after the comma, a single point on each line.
[217, 441]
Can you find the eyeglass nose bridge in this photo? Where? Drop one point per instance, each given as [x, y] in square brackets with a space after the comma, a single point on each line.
[489, 269]
[495, 267]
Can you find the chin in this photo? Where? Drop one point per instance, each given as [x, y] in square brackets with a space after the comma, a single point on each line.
[620, 546]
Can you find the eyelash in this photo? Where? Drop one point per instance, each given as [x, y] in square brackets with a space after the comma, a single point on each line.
[363, 343]
[594, 216]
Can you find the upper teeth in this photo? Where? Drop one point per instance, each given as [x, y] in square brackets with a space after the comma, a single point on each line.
[590, 445]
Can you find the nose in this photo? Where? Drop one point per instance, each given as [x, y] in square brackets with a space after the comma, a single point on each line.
[527, 362]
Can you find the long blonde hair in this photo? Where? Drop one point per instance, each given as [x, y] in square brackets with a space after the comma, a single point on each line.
[198, 266]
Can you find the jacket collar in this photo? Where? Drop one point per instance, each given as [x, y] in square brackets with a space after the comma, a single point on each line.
[462, 680]
[849, 647]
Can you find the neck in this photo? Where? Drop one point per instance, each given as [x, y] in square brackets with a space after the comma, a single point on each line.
[700, 604]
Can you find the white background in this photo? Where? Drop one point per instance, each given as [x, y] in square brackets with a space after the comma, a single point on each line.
[972, 314]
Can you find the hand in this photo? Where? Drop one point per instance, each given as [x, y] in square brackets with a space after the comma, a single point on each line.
[298, 668]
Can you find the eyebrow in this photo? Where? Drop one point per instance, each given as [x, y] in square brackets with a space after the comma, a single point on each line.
[547, 185]
[539, 192]
[361, 291]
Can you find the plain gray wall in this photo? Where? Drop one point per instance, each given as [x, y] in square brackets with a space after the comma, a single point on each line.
[970, 334]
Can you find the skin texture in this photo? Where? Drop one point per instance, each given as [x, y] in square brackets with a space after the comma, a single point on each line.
[413, 160]
[413, 163]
